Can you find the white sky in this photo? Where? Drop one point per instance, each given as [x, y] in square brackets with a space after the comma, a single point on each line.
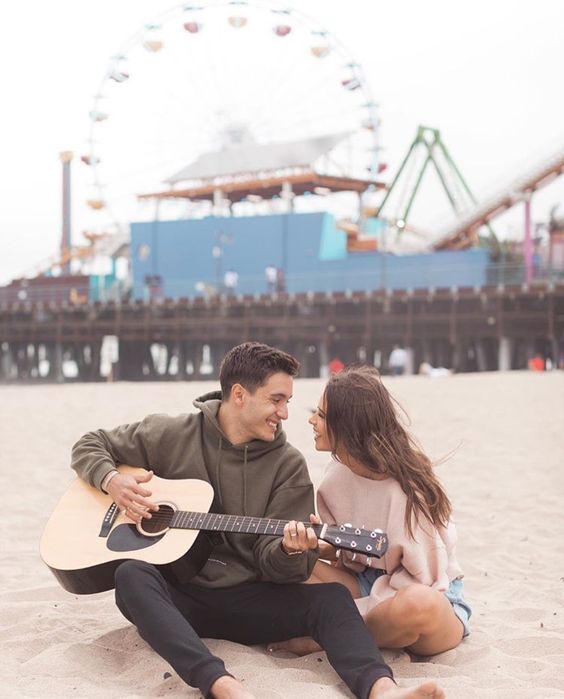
[487, 73]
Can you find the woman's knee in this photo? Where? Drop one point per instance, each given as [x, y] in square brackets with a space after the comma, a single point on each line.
[417, 601]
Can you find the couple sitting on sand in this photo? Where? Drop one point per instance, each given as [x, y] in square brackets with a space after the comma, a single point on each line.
[251, 589]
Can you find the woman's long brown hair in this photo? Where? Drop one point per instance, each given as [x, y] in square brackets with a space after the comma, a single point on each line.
[362, 422]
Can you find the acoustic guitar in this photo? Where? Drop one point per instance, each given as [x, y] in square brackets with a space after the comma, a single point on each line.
[87, 536]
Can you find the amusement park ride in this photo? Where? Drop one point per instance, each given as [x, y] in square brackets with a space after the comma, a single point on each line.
[238, 138]
[286, 125]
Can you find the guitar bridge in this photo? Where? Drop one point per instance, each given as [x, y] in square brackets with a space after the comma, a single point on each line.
[109, 519]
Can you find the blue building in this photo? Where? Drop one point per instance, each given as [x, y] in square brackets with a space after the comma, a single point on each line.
[187, 258]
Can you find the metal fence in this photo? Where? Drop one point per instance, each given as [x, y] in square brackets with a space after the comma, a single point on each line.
[379, 279]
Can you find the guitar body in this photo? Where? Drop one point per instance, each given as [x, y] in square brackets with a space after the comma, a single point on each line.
[87, 538]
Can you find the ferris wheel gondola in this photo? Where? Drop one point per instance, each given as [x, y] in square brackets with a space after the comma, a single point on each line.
[215, 76]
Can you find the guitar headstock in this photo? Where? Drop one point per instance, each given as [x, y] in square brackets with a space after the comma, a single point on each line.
[369, 542]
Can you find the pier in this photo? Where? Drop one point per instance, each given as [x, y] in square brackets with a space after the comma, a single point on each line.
[465, 329]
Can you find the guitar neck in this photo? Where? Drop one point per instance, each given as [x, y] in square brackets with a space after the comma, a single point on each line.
[343, 536]
[209, 521]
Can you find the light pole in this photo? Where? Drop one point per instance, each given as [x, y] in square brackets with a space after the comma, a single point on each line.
[66, 158]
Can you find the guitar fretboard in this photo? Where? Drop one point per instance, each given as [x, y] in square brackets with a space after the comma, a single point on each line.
[209, 521]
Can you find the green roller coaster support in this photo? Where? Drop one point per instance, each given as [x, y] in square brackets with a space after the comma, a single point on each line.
[430, 139]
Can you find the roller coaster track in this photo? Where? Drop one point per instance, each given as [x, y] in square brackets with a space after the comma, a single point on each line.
[464, 233]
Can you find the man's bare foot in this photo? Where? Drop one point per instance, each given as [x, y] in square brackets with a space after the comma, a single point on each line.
[227, 687]
[304, 645]
[384, 688]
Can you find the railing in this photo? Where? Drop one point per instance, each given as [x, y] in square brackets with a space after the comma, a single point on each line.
[381, 278]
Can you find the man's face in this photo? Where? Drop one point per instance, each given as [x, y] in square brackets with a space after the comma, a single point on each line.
[263, 410]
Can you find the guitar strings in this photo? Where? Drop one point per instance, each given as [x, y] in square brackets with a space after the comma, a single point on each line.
[167, 517]
[161, 516]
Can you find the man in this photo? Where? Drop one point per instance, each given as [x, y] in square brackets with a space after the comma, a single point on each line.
[249, 590]
[397, 361]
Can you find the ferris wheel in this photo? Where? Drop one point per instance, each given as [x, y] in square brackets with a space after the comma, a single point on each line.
[214, 76]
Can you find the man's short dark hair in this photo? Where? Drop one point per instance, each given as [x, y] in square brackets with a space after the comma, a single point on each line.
[251, 364]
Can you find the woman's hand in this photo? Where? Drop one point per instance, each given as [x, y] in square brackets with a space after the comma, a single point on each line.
[327, 552]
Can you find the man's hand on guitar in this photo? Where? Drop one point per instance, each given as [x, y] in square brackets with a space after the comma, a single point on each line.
[298, 538]
[131, 497]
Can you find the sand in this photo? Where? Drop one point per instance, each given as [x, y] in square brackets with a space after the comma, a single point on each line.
[505, 436]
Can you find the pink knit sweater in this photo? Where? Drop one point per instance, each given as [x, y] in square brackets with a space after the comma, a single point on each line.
[429, 558]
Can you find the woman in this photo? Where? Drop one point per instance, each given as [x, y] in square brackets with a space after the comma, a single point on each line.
[379, 479]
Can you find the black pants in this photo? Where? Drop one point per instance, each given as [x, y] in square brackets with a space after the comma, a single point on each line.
[172, 620]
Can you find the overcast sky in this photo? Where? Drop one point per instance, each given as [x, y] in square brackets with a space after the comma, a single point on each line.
[487, 73]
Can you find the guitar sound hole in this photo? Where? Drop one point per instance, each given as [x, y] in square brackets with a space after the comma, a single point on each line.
[159, 521]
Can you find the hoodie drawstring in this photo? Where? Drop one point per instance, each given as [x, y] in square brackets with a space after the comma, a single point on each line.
[218, 462]
[245, 481]
[218, 480]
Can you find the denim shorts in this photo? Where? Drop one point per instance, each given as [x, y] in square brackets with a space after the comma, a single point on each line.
[454, 594]
[460, 606]
[366, 578]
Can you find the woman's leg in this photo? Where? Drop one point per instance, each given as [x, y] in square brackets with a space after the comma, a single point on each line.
[418, 618]
[325, 572]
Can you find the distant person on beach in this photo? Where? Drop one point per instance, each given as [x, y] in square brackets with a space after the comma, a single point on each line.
[249, 591]
[336, 366]
[536, 363]
[435, 372]
[397, 361]
[412, 597]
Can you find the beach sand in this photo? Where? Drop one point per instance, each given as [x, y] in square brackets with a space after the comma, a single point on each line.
[504, 433]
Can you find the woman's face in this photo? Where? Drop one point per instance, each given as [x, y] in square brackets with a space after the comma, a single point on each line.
[317, 421]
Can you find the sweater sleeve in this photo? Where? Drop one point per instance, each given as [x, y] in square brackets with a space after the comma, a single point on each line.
[99, 452]
[293, 499]
[424, 560]
[354, 562]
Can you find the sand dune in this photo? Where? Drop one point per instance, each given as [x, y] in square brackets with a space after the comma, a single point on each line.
[505, 473]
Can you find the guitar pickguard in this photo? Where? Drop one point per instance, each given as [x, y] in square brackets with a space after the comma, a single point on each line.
[126, 537]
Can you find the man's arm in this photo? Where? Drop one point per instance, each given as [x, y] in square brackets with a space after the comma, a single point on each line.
[96, 455]
[292, 500]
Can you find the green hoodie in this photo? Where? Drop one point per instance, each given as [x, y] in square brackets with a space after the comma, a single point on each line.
[259, 479]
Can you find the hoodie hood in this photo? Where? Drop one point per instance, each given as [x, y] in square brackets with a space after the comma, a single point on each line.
[209, 404]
